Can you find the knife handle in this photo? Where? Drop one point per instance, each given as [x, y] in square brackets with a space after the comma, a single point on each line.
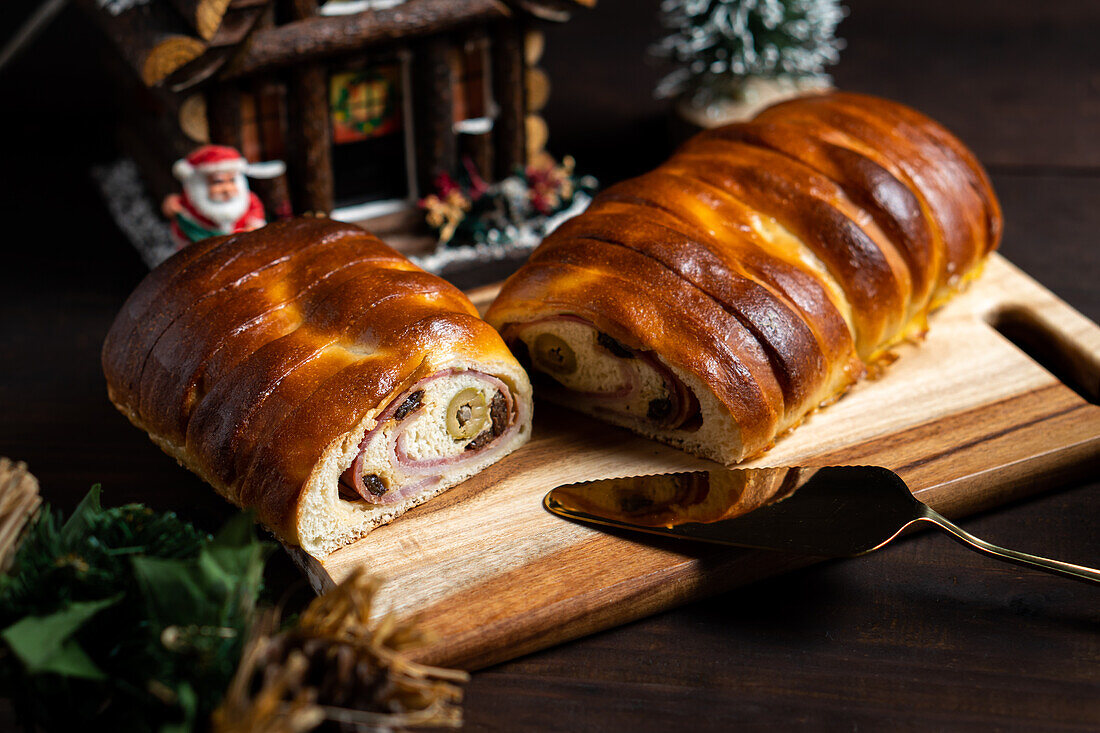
[1065, 569]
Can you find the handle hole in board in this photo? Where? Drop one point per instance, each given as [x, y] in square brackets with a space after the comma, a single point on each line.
[1051, 350]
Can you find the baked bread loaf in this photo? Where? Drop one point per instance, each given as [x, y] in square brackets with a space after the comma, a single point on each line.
[312, 373]
[714, 302]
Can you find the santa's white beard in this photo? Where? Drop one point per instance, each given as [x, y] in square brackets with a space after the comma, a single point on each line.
[223, 213]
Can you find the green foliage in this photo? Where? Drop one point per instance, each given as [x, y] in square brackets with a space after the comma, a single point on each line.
[124, 618]
[45, 643]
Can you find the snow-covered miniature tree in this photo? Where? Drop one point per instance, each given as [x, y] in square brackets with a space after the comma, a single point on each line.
[721, 47]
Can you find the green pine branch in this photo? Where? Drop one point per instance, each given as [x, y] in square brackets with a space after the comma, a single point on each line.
[135, 619]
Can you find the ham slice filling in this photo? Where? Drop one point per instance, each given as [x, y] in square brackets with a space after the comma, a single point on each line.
[676, 407]
[406, 476]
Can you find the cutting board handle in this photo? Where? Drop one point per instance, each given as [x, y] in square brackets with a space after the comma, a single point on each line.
[1048, 330]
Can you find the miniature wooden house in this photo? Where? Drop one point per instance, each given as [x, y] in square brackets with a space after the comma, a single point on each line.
[367, 101]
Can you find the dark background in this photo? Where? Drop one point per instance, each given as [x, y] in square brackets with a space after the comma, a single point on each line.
[924, 635]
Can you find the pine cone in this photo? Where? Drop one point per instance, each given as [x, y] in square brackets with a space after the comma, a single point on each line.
[336, 665]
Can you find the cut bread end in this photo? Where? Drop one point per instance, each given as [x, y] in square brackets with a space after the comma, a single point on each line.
[584, 369]
[326, 520]
[412, 450]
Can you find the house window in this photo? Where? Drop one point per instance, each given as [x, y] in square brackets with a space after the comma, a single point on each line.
[365, 103]
[474, 109]
[371, 142]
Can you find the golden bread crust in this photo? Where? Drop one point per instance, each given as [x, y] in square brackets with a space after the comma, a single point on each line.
[247, 356]
[771, 260]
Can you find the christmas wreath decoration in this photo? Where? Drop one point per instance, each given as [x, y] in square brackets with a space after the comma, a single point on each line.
[470, 211]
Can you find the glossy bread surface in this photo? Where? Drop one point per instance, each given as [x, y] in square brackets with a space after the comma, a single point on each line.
[773, 260]
[246, 356]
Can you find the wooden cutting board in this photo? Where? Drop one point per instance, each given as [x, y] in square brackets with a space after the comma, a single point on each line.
[967, 418]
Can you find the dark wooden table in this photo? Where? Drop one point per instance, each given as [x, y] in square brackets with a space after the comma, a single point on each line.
[924, 635]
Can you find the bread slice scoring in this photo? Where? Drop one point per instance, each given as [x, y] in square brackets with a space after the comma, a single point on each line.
[755, 275]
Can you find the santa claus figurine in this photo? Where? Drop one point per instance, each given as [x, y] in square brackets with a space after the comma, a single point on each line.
[216, 199]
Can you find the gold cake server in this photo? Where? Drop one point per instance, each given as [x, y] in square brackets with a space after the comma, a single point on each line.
[837, 511]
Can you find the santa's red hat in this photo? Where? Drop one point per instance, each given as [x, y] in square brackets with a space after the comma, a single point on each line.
[219, 158]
